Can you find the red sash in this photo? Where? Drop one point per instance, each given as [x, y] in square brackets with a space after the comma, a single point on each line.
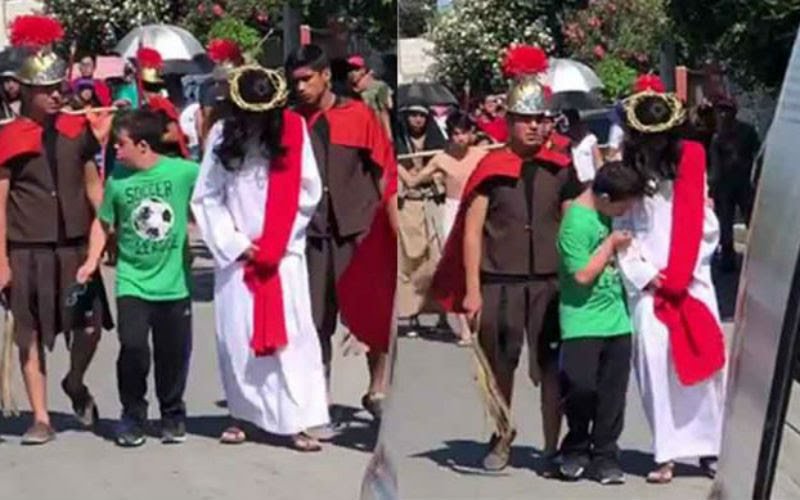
[262, 275]
[696, 340]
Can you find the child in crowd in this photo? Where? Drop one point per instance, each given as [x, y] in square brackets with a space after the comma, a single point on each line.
[595, 325]
[146, 204]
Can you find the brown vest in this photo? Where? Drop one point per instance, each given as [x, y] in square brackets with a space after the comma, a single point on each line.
[350, 193]
[44, 209]
[523, 218]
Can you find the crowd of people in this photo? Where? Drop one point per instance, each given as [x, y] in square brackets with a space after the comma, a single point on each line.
[550, 238]
[294, 197]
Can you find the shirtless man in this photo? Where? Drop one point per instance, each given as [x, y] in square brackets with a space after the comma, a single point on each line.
[455, 164]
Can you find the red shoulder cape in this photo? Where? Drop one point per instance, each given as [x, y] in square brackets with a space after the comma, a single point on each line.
[23, 136]
[371, 277]
[262, 275]
[695, 334]
[449, 282]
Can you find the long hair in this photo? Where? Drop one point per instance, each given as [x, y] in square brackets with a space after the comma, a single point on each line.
[244, 128]
[654, 156]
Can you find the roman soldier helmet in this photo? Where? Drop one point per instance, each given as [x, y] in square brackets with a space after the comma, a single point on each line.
[225, 52]
[529, 94]
[35, 35]
[150, 66]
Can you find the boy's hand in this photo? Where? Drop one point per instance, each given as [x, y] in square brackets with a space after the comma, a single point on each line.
[473, 303]
[656, 283]
[86, 271]
[621, 240]
[249, 254]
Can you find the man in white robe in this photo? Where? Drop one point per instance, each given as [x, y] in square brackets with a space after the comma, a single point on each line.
[283, 391]
[672, 301]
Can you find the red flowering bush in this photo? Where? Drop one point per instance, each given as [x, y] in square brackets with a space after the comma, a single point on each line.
[629, 30]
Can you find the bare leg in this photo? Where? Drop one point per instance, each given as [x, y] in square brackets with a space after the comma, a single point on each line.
[34, 373]
[464, 332]
[377, 372]
[551, 409]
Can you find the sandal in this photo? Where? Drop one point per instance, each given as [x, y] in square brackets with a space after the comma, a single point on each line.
[662, 474]
[37, 434]
[233, 435]
[83, 404]
[709, 466]
[467, 342]
[305, 443]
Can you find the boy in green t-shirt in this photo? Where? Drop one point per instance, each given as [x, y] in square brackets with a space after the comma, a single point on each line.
[595, 326]
[146, 204]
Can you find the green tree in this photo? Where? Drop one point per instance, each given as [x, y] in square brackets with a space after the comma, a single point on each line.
[96, 26]
[470, 39]
[752, 38]
[415, 17]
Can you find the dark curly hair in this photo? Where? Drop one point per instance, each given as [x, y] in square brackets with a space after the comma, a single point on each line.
[242, 127]
[654, 156]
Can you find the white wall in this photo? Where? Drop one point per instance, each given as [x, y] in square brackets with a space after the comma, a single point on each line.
[11, 9]
[414, 59]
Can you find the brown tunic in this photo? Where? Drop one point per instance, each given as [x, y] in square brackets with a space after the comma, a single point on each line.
[523, 217]
[49, 216]
[519, 267]
[46, 203]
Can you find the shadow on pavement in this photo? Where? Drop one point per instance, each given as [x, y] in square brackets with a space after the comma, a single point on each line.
[464, 457]
[354, 430]
[61, 422]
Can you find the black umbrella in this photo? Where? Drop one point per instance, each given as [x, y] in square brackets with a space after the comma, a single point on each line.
[425, 93]
[582, 101]
[199, 65]
[11, 60]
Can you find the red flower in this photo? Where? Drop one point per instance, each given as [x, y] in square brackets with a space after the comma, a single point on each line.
[201, 8]
[595, 22]
[218, 10]
[599, 51]
[262, 17]
[524, 60]
[222, 50]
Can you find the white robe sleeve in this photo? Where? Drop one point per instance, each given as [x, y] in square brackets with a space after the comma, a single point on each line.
[636, 270]
[210, 211]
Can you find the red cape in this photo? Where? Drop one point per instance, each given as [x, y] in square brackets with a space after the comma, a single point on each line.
[158, 103]
[449, 282]
[23, 136]
[262, 274]
[695, 334]
[366, 289]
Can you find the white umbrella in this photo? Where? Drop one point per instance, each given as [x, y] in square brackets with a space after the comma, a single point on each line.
[172, 42]
[566, 75]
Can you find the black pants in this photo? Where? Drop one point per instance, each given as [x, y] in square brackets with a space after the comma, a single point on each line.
[594, 380]
[727, 199]
[171, 323]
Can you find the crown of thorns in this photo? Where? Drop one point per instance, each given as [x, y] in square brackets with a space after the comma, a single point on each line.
[676, 117]
[276, 79]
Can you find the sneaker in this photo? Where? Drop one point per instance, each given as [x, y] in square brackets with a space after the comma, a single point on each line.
[130, 434]
[573, 466]
[552, 465]
[173, 432]
[607, 471]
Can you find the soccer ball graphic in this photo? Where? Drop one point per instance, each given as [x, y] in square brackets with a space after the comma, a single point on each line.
[152, 219]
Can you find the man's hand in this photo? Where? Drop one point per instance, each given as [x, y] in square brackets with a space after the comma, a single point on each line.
[5, 273]
[86, 271]
[473, 303]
